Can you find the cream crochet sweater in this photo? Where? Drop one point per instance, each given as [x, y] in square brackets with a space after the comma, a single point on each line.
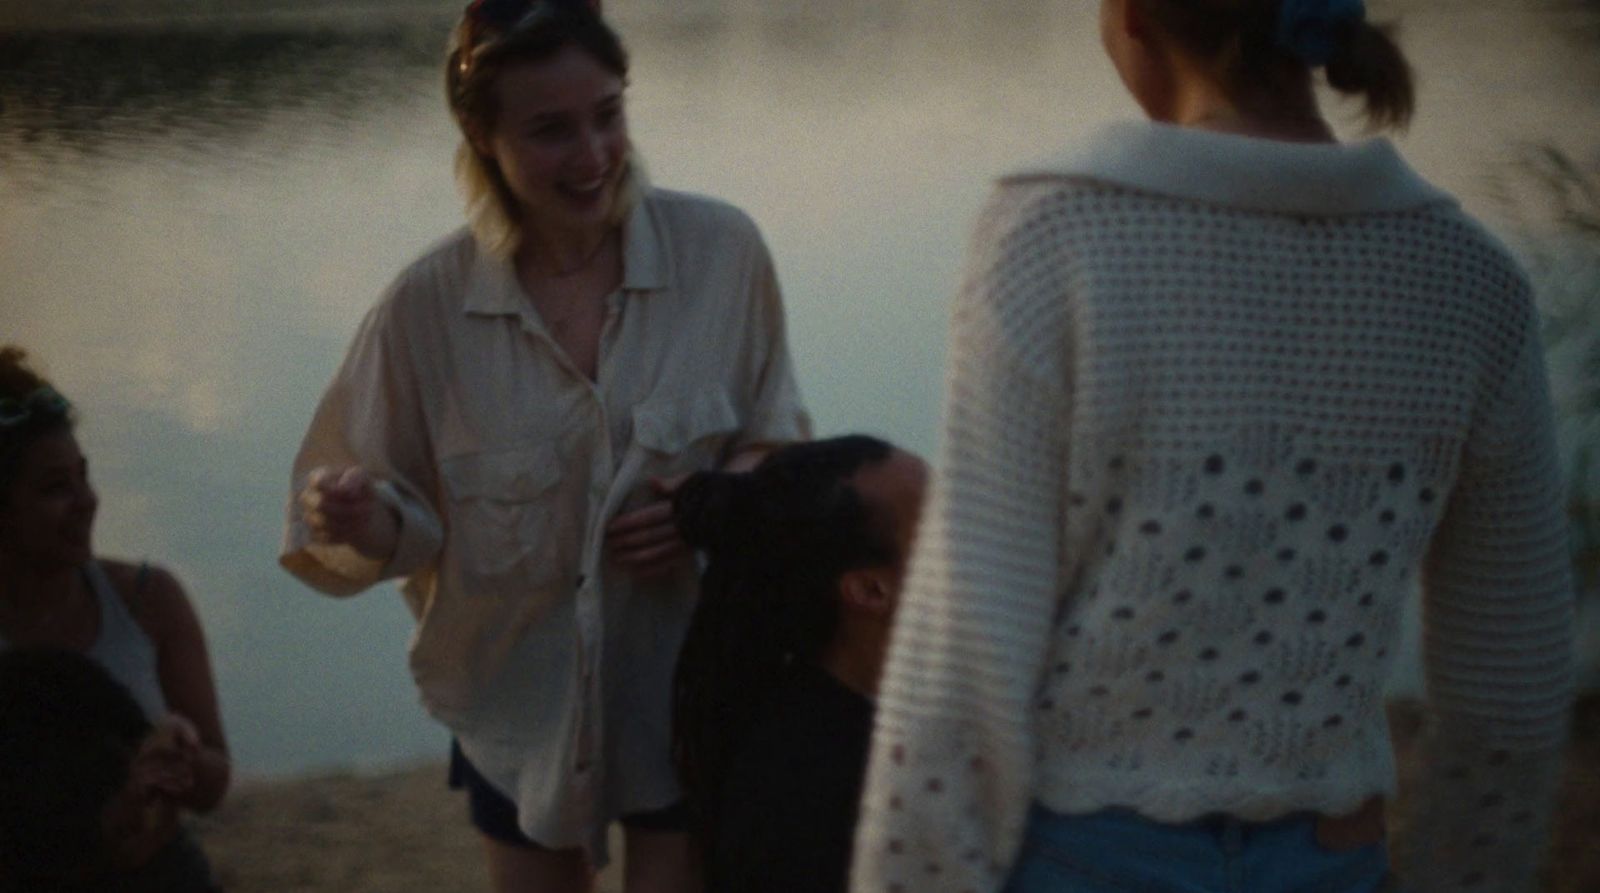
[1216, 407]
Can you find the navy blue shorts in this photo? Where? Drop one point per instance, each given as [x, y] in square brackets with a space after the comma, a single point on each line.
[495, 815]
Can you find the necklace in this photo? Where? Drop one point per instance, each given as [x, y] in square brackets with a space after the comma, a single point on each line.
[560, 296]
[560, 322]
[583, 264]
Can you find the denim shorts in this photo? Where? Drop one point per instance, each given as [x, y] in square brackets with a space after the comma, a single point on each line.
[1118, 851]
[495, 815]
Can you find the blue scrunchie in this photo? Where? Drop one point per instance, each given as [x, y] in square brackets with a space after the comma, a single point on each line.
[1307, 29]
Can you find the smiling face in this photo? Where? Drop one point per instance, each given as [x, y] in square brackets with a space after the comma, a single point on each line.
[47, 517]
[560, 140]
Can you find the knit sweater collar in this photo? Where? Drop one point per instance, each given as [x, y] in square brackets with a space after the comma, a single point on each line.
[1245, 172]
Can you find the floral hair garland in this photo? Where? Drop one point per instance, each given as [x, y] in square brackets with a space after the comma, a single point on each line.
[17, 414]
[42, 403]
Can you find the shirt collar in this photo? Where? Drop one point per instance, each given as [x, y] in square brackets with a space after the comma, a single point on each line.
[646, 262]
[493, 290]
[1245, 172]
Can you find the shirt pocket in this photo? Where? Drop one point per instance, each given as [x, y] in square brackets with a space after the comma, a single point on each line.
[500, 536]
[685, 434]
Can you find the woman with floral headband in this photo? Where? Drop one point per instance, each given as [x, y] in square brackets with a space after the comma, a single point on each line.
[132, 619]
[506, 427]
[1224, 391]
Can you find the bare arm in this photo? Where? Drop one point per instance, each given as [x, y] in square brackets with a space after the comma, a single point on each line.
[183, 668]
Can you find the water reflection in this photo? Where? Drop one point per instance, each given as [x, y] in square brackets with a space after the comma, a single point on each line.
[192, 219]
[84, 95]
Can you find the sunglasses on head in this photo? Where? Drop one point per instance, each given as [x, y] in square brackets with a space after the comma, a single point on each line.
[42, 403]
[497, 18]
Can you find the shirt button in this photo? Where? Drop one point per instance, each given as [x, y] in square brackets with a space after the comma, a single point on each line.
[582, 767]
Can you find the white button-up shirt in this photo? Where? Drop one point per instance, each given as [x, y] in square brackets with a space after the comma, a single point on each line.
[552, 666]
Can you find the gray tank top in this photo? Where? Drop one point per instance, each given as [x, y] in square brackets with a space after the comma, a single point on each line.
[122, 646]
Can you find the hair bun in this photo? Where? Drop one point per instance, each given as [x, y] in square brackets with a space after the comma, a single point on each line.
[1368, 63]
[17, 380]
[711, 510]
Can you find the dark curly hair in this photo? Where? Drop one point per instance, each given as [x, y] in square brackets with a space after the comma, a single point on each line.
[68, 735]
[776, 540]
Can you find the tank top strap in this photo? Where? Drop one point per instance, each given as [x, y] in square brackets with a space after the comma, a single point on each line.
[116, 619]
[122, 647]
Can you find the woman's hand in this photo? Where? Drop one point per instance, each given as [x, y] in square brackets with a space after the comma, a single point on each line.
[341, 507]
[166, 762]
[186, 757]
[646, 541]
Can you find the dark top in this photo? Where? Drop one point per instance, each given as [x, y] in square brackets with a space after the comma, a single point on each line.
[788, 812]
[179, 867]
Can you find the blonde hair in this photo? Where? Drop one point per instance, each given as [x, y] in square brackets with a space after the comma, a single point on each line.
[492, 209]
[478, 54]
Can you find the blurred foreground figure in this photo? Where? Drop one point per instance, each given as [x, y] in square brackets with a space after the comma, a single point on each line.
[82, 805]
[1223, 392]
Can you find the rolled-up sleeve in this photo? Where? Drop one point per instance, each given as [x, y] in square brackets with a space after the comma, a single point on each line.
[371, 416]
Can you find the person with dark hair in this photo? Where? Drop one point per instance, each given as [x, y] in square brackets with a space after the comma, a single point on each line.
[133, 619]
[504, 431]
[1224, 393]
[773, 695]
[81, 807]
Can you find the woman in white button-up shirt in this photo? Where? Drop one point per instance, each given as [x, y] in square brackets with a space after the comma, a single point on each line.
[505, 425]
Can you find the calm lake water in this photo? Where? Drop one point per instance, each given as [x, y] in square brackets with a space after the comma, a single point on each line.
[197, 207]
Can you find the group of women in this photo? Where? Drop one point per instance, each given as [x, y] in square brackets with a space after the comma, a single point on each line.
[1222, 390]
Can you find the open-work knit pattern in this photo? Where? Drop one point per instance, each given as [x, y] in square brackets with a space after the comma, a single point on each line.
[1195, 459]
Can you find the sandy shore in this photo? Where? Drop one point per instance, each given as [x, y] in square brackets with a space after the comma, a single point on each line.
[402, 831]
[385, 833]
